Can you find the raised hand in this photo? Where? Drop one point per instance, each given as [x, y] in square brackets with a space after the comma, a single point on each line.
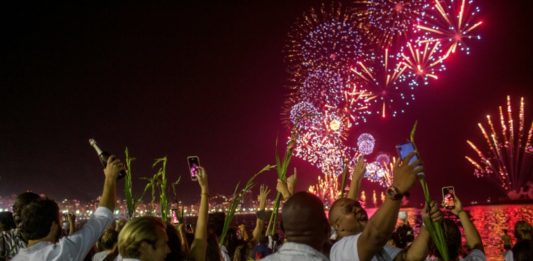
[113, 167]
[432, 211]
[262, 197]
[458, 206]
[291, 183]
[359, 168]
[405, 174]
[202, 180]
[281, 187]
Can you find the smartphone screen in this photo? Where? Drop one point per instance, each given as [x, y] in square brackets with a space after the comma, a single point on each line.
[405, 149]
[194, 163]
[448, 199]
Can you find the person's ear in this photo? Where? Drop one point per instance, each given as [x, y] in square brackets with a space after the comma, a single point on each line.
[54, 231]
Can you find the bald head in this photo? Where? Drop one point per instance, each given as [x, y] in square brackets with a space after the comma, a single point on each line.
[347, 216]
[304, 220]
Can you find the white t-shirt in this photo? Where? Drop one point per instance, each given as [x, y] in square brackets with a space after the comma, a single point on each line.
[72, 247]
[346, 250]
[475, 255]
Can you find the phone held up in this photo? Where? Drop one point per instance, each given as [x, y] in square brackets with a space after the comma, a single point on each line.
[194, 164]
[404, 150]
[448, 198]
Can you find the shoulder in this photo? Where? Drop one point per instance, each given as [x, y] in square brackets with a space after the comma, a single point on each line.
[391, 251]
[475, 255]
[345, 249]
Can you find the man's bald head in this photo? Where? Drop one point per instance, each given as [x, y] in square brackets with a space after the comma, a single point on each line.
[304, 220]
[347, 217]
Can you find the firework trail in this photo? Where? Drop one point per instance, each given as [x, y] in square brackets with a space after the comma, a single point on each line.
[423, 61]
[451, 23]
[506, 159]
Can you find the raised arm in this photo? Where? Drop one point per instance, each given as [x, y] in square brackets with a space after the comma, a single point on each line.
[473, 240]
[379, 228]
[418, 251]
[109, 193]
[357, 176]
[259, 223]
[71, 223]
[199, 244]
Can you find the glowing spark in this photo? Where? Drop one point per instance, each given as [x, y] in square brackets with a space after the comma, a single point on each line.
[451, 23]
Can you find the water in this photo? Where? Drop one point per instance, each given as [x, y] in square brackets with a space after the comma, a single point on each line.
[489, 220]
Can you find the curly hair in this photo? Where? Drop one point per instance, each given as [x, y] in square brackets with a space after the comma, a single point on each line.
[403, 236]
[38, 217]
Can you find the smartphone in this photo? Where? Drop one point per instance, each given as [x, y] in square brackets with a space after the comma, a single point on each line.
[448, 198]
[405, 149]
[194, 163]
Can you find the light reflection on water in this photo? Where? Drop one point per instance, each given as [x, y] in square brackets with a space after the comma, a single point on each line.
[490, 222]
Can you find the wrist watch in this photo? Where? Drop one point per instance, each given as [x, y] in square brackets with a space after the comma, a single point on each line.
[393, 193]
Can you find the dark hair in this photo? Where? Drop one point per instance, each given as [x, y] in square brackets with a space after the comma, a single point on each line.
[523, 251]
[403, 235]
[108, 239]
[26, 198]
[21, 201]
[523, 230]
[453, 240]
[6, 220]
[174, 243]
[37, 218]
[215, 222]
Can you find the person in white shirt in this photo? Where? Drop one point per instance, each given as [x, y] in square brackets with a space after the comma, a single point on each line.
[40, 224]
[364, 239]
[306, 228]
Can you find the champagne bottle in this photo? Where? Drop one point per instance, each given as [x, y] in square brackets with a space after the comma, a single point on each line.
[103, 156]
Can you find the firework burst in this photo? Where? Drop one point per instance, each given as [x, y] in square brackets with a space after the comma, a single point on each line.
[384, 77]
[389, 20]
[381, 170]
[324, 86]
[325, 37]
[423, 61]
[304, 116]
[450, 22]
[507, 158]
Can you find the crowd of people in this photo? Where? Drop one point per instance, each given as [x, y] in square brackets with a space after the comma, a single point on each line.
[306, 231]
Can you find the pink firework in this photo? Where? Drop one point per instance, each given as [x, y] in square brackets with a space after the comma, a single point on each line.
[506, 158]
[387, 21]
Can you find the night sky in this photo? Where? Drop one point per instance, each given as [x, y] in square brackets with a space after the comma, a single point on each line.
[178, 79]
